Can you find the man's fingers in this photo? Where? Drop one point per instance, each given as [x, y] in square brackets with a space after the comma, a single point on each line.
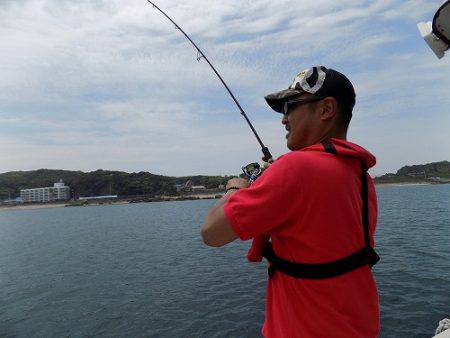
[266, 163]
[238, 183]
[266, 160]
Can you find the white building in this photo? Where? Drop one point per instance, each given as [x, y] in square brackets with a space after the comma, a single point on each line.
[59, 192]
[189, 186]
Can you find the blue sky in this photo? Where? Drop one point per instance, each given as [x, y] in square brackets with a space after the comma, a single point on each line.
[112, 85]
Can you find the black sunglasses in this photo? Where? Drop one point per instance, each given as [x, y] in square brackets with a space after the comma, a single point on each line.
[296, 102]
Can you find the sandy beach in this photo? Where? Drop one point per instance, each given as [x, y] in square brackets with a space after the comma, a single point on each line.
[32, 206]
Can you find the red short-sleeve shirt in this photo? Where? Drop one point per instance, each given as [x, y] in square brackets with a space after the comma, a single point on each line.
[310, 203]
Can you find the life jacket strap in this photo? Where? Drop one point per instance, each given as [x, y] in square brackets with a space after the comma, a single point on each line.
[365, 256]
[362, 257]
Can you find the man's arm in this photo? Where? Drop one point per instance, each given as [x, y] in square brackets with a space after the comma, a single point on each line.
[216, 229]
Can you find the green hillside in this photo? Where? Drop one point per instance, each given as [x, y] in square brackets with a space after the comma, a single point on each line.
[104, 182]
[100, 182]
[436, 172]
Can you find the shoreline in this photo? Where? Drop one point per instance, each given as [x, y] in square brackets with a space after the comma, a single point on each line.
[32, 206]
[404, 184]
[112, 202]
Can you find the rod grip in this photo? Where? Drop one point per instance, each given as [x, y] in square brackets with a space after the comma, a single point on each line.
[266, 154]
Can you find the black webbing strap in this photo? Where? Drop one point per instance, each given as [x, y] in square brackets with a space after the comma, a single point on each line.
[329, 147]
[364, 256]
[365, 206]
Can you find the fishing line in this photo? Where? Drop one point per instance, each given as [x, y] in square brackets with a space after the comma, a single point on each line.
[201, 55]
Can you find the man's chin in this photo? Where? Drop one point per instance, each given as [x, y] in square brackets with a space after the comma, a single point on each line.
[294, 146]
[290, 141]
[291, 146]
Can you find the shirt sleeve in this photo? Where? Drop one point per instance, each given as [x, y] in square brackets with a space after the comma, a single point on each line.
[267, 204]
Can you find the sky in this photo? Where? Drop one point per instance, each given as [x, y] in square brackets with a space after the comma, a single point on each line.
[112, 85]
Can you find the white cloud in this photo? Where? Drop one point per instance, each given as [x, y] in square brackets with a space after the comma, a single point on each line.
[112, 84]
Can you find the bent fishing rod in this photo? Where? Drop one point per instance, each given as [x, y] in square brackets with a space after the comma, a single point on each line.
[200, 55]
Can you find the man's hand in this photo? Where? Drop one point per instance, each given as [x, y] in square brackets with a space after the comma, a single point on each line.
[237, 183]
[266, 163]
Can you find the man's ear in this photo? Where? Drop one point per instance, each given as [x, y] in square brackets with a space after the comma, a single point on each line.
[329, 108]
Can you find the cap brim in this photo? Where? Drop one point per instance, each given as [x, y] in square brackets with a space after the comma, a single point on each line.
[276, 100]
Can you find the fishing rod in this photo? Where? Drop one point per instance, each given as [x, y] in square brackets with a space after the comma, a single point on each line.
[200, 55]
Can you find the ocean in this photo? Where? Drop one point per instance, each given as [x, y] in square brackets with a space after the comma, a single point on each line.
[142, 270]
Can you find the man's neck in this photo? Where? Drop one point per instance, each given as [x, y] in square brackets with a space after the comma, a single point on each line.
[342, 135]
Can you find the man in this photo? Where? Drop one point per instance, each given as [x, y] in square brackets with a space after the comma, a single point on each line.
[317, 204]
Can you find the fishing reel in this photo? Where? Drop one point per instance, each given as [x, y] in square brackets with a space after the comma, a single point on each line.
[252, 171]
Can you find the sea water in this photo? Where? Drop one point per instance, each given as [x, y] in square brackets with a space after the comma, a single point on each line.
[141, 270]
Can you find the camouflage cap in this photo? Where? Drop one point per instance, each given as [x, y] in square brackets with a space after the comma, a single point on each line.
[319, 81]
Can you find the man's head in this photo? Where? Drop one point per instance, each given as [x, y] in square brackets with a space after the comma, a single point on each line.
[317, 105]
